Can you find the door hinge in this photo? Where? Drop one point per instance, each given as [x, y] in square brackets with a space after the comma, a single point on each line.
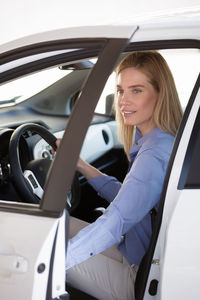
[156, 261]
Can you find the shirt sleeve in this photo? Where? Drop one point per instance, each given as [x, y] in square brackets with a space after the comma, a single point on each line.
[139, 193]
[106, 186]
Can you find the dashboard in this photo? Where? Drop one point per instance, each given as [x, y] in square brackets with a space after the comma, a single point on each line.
[100, 138]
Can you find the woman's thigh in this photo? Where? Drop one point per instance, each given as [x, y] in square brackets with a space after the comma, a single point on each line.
[75, 225]
[104, 278]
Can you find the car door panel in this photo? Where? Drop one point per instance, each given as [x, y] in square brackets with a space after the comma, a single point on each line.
[49, 269]
[176, 242]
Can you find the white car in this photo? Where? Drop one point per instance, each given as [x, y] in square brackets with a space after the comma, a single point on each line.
[60, 84]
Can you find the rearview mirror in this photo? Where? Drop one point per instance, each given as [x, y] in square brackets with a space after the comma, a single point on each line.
[82, 65]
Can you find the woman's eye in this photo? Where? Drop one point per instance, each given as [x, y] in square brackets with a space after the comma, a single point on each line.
[136, 91]
[120, 92]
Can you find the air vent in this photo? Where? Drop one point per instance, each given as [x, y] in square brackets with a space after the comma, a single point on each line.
[105, 136]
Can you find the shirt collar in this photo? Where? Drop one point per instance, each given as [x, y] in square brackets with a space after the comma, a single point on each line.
[139, 139]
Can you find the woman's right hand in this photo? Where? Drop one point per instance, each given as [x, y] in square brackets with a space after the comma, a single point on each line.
[57, 144]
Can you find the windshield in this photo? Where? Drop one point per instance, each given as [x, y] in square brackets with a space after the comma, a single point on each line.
[21, 89]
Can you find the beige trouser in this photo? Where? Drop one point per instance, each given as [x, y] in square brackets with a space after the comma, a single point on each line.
[105, 276]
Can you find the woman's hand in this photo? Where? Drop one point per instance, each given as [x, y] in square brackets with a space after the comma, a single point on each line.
[87, 170]
[57, 144]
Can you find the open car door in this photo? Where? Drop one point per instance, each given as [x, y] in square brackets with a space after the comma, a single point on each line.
[33, 237]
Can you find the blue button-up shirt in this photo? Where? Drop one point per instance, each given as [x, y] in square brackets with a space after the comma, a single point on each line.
[127, 219]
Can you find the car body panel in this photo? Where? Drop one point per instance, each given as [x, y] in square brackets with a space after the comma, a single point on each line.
[28, 263]
[71, 33]
[177, 242]
[181, 240]
[179, 28]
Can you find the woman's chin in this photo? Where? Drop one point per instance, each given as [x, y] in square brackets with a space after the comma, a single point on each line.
[129, 122]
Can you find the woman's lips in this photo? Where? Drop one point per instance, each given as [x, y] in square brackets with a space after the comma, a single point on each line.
[128, 113]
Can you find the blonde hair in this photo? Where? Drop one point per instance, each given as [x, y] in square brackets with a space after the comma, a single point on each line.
[168, 112]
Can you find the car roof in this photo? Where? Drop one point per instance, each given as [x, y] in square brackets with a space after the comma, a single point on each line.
[181, 23]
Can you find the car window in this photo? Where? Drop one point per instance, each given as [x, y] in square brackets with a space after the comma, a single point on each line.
[55, 90]
[23, 88]
[185, 65]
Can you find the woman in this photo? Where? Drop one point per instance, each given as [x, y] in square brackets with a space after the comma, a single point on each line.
[149, 113]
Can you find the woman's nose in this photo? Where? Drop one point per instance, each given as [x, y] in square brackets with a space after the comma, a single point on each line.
[124, 99]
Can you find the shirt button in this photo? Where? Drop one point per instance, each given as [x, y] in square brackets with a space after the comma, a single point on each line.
[91, 254]
[136, 143]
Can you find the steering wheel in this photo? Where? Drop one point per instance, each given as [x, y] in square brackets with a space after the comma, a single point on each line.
[30, 183]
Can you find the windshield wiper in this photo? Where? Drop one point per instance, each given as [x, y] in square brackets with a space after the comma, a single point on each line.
[10, 101]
